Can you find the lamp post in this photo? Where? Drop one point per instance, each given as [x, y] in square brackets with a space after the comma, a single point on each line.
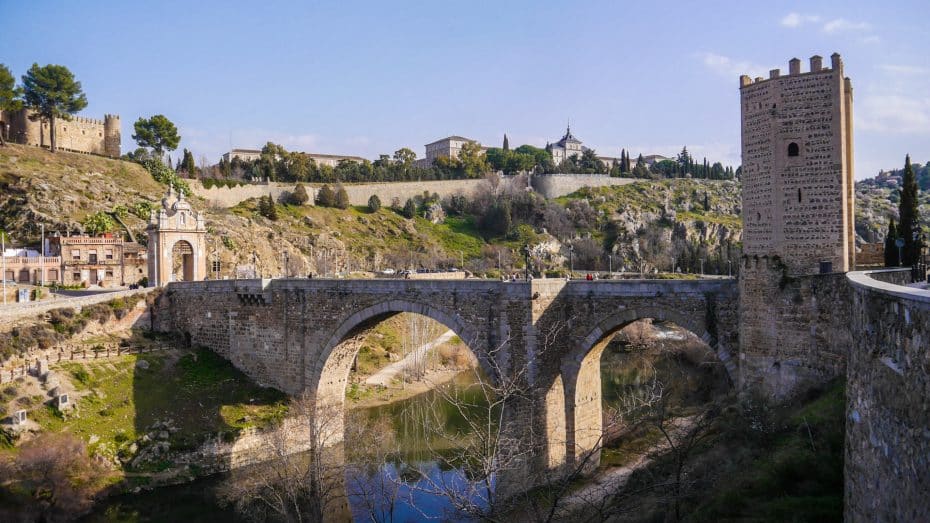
[729, 269]
[610, 265]
[899, 243]
[255, 273]
[702, 266]
[3, 259]
[571, 261]
[526, 262]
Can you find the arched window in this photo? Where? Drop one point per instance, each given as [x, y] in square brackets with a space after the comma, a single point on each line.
[793, 149]
[799, 195]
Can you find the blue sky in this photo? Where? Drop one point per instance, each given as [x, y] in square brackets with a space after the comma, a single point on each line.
[369, 77]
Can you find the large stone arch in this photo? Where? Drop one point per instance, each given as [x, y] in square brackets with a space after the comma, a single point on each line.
[580, 370]
[189, 262]
[327, 375]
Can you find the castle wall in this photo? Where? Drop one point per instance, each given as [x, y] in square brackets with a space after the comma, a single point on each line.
[80, 134]
[887, 465]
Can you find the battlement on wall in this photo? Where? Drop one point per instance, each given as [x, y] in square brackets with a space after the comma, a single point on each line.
[794, 69]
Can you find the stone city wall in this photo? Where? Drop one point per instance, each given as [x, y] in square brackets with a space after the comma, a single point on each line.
[550, 186]
[887, 473]
[556, 185]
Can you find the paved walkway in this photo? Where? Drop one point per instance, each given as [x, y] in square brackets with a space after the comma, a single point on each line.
[385, 376]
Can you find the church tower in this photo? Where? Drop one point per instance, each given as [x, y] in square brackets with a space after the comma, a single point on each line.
[798, 214]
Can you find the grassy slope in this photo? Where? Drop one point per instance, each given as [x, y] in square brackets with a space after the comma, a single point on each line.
[199, 391]
[66, 187]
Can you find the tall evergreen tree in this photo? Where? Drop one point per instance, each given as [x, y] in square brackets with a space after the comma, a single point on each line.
[506, 143]
[909, 215]
[51, 92]
[891, 250]
[9, 97]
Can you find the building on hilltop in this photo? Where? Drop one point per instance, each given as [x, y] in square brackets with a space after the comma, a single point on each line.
[448, 147]
[332, 160]
[79, 134]
[571, 147]
[246, 155]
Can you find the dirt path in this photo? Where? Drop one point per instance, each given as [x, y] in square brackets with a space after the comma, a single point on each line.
[596, 492]
[385, 376]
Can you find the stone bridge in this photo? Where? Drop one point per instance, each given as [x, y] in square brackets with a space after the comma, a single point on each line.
[302, 335]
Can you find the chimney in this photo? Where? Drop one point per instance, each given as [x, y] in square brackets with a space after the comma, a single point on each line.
[794, 66]
[774, 73]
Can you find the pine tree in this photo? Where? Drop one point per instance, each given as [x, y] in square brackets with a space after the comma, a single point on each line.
[909, 215]
[506, 143]
[374, 203]
[300, 195]
[891, 250]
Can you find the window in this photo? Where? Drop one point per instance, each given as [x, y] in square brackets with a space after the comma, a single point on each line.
[109, 274]
[799, 195]
[793, 149]
[75, 254]
[92, 256]
[216, 266]
[109, 254]
[75, 276]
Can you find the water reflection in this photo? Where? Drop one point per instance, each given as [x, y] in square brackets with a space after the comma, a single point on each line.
[420, 470]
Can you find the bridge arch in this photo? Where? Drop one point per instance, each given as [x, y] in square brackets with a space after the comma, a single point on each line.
[328, 374]
[581, 368]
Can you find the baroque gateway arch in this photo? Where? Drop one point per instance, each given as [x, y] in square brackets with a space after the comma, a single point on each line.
[302, 335]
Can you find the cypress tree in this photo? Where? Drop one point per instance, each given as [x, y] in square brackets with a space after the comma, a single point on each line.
[891, 250]
[506, 143]
[341, 199]
[410, 208]
[908, 215]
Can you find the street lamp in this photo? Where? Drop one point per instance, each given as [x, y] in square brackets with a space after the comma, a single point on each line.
[610, 265]
[526, 262]
[729, 269]
[571, 261]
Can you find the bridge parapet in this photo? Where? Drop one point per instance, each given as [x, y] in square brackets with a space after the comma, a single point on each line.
[887, 472]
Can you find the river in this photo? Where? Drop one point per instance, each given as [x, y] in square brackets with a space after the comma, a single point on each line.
[405, 437]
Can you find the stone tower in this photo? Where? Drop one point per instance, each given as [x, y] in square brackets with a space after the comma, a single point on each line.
[797, 167]
[797, 207]
[111, 135]
[177, 249]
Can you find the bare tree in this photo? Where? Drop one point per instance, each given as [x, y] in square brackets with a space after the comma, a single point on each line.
[293, 483]
[51, 479]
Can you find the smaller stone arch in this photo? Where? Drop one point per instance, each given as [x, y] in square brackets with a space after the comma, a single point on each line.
[580, 370]
[794, 149]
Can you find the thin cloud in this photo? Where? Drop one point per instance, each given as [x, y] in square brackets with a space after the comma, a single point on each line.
[726, 66]
[894, 113]
[914, 70]
[840, 25]
[794, 20]
[871, 39]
